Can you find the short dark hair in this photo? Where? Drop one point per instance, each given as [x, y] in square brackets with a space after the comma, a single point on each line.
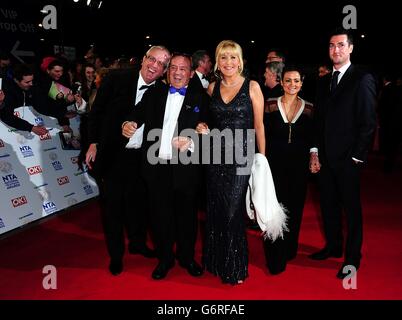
[182, 54]
[55, 63]
[22, 70]
[197, 57]
[279, 53]
[293, 67]
[342, 31]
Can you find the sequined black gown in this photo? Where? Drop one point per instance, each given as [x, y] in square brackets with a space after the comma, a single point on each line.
[225, 250]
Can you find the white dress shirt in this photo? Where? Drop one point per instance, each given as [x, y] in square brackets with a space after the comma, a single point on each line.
[174, 103]
[341, 70]
[204, 82]
[140, 93]
[135, 141]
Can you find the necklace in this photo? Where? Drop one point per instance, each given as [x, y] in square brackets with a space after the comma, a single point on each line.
[290, 119]
[230, 85]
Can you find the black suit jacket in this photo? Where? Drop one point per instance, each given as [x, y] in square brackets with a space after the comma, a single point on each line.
[115, 99]
[345, 119]
[196, 81]
[151, 111]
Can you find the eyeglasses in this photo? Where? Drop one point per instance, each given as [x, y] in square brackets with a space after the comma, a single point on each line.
[153, 60]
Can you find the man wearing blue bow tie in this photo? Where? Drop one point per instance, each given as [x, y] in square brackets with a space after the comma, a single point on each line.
[172, 185]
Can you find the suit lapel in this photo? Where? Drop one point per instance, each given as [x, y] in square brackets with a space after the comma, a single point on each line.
[133, 89]
[186, 104]
[161, 106]
[343, 83]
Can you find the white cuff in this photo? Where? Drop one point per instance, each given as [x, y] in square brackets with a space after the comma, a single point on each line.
[357, 160]
[314, 150]
[82, 108]
[192, 146]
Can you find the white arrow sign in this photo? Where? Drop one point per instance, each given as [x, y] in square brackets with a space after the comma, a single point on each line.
[20, 53]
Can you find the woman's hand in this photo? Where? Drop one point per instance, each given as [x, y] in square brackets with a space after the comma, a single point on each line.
[181, 143]
[202, 128]
[315, 164]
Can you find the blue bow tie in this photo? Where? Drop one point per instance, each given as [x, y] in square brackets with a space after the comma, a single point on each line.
[181, 91]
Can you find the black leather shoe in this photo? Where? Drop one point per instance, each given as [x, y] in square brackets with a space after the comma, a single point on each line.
[162, 270]
[348, 272]
[193, 268]
[116, 266]
[325, 254]
[277, 269]
[142, 250]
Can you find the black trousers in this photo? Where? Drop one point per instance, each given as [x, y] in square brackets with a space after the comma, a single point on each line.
[174, 219]
[340, 191]
[290, 175]
[124, 204]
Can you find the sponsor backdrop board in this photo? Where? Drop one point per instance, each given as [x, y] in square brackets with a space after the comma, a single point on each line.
[39, 175]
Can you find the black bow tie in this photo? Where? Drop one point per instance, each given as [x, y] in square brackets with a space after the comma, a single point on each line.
[143, 87]
[204, 77]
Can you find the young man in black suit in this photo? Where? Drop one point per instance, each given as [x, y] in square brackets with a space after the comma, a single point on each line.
[118, 168]
[166, 112]
[345, 123]
[20, 91]
[202, 66]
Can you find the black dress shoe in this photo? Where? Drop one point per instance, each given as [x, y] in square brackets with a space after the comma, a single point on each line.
[143, 250]
[116, 266]
[348, 272]
[291, 256]
[325, 254]
[162, 270]
[277, 269]
[193, 268]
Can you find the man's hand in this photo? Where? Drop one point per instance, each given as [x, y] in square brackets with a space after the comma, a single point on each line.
[39, 130]
[70, 97]
[129, 128]
[78, 99]
[70, 114]
[67, 128]
[202, 128]
[315, 164]
[2, 96]
[91, 155]
[181, 143]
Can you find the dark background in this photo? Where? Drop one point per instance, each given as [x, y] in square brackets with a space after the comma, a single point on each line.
[300, 28]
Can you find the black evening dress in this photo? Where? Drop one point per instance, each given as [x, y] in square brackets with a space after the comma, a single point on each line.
[225, 249]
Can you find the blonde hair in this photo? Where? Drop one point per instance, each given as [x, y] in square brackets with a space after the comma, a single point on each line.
[231, 47]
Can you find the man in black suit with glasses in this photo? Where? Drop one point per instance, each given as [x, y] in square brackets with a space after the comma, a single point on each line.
[118, 168]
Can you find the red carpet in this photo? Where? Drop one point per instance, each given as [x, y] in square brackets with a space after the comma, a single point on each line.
[73, 243]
